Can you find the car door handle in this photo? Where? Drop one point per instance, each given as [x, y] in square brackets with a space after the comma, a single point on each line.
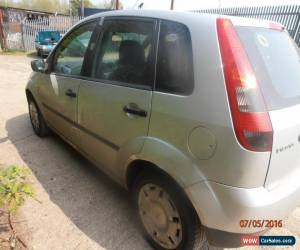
[134, 109]
[70, 93]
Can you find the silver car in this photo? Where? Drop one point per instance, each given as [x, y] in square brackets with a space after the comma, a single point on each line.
[197, 115]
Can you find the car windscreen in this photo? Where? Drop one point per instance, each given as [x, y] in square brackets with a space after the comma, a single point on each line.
[276, 62]
[49, 36]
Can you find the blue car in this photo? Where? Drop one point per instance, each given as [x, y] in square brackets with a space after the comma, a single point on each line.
[45, 42]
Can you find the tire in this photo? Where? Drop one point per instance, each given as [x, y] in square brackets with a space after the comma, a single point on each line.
[37, 120]
[163, 209]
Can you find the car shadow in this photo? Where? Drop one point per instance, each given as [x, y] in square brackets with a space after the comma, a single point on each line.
[96, 205]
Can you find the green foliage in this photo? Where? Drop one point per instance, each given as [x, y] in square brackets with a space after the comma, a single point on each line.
[14, 187]
[75, 4]
[109, 4]
[59, 6]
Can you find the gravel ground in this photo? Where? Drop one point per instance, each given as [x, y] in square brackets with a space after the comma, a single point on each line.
[80, 207]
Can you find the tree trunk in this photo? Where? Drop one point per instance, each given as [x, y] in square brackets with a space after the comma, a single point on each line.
[172, 4]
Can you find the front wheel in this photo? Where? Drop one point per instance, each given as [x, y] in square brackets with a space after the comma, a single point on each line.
[167, 217]
[37, 121]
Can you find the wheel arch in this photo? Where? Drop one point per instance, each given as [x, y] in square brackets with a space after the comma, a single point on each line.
[29, 94]
[136, 167]
[164, 158]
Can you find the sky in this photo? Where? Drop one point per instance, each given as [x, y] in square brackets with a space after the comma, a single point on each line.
[200, 4]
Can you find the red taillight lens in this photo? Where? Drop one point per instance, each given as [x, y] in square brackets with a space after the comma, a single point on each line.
[250, 119]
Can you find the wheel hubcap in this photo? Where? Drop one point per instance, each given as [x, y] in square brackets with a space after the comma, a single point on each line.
[160, 216]
[34, 116]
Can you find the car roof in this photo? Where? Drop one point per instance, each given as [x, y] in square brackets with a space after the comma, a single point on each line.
[189, 18]
[179, 16]
[148, 13]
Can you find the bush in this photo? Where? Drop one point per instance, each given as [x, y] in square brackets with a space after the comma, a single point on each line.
[14, 188]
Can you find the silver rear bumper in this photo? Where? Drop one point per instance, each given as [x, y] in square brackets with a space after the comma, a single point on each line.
[222, 207]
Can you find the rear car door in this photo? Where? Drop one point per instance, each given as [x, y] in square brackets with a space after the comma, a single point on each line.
[114, 102]
[59, 90]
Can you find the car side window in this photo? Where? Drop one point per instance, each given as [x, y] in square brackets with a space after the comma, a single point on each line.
[125, 54]
[69, 56]
[175, 59]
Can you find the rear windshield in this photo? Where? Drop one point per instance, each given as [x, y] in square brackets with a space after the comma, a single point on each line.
[276, 62]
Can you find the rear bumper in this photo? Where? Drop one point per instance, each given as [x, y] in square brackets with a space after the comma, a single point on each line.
[222, 207]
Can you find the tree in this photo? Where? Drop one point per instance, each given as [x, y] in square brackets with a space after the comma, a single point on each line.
[60, 6]
[114, 3]
[109, 4]
[75, 5]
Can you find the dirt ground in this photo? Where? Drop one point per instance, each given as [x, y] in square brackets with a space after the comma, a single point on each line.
[80, 207]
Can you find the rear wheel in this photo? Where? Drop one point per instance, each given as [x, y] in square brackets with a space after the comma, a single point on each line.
[167, 217]
[37, 121]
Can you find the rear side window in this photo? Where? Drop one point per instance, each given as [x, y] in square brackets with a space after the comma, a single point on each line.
[175, 59]
[125, 55]
[276, 62]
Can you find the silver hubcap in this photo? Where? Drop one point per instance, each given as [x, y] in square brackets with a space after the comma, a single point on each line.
[160, 216]
[34, 116]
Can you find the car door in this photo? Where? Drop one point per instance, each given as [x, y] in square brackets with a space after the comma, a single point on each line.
[114, 103]
[59, 90]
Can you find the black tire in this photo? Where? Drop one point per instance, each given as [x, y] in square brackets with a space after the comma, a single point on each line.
[42, 129]
[193, 236]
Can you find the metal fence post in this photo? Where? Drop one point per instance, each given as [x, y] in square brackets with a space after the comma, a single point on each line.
[22, 36]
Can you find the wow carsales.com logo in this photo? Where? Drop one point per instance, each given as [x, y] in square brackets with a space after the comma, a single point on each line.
[249, 240]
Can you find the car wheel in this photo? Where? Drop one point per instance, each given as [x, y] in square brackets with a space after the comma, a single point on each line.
[167, 217]
[37, 121]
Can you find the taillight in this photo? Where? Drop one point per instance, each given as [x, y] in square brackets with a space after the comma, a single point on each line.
[251, 121]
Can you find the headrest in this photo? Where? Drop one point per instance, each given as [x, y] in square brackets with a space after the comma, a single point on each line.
[131, 53]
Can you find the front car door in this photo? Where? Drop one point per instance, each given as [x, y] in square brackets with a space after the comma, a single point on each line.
[114, 102]
[59, 91]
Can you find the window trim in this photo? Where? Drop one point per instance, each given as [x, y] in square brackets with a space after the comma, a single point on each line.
[89, 77]
[160, 21]
[86, 55]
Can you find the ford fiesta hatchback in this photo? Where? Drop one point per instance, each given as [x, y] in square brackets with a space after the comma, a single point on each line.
[198, 115]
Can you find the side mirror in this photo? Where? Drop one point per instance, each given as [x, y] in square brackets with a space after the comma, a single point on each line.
[39, 65]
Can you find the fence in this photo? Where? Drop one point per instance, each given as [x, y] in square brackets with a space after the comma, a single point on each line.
[60, 23]
[21, 36]
[288, 15]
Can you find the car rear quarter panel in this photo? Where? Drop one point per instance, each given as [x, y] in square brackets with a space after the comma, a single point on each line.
[174, 117]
